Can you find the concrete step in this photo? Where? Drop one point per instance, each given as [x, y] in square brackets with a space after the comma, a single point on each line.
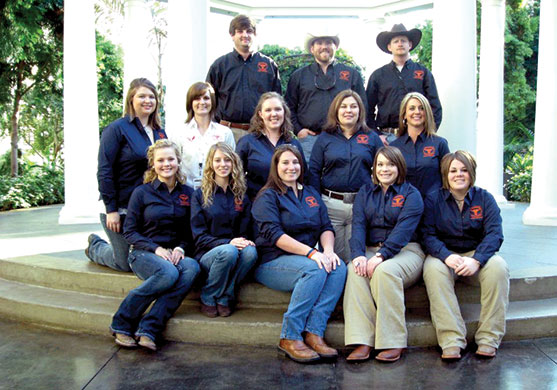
[91, 314]
[68, 273]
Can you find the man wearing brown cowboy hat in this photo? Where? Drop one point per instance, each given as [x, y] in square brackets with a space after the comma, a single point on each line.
[311, 89]
[390, 83]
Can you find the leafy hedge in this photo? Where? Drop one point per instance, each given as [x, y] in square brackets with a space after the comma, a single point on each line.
[37, 187]
[519, 168]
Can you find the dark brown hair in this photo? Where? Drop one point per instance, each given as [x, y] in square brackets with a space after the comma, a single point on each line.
[394, 155]
[332, 116]
[273, 181]
[257, 126]
[195, 92]
[241, 22]
[154, 119]
[464, 157]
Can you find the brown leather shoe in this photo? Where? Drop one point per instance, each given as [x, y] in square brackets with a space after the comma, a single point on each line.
[451, 353]
[224, 311]
[360, 354]
[389, 355]
[317, 343]
[298, 351]
[124, 340]
[146, 342]
[486, 351]
[209, 311]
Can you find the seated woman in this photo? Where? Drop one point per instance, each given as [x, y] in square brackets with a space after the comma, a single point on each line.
[270, 127]
[421, 147]
[122, 162]
[292, 219]
[341, 162]
[199, 132]
[157, 226]
[386, 260]
[462, 233]
[220, 222]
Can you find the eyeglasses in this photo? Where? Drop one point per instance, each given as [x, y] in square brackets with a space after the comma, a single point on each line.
[325, 87]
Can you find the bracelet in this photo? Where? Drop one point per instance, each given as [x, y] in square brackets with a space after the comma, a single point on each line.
[311, 252]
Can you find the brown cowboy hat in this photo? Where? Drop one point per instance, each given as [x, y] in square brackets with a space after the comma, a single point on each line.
[385, 37]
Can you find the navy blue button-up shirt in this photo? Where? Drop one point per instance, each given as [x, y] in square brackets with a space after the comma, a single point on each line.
[157, 217]
[423, 160]
[240, 83]
[219, 222]
[304, 218]
[310, 93]
[256, 152]
[340, 164]
[391, 218]
[387, 86]
[447, 230]
[122, 160]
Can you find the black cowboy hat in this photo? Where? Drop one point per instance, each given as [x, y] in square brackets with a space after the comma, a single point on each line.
[384, 38]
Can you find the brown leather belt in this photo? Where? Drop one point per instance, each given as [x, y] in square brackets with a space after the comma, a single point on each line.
[243, 126]
[346, 197]
[390, 130]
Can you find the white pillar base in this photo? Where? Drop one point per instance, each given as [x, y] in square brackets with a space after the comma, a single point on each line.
[540, 216]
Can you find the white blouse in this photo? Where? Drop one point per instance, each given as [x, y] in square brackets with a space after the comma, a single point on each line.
[194, 147]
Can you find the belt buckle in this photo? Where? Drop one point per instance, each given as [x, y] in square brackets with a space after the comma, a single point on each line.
[348, 198]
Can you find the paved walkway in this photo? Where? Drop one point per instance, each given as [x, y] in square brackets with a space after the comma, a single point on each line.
[34, 358]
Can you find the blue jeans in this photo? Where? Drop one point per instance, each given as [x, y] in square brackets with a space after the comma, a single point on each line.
[307, 145]
[226, 267]
[314, 292]
[113, 255]
[164, 282]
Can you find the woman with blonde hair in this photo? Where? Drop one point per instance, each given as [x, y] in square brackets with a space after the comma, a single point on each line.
[221, 222]
[157, 226]
[421, 147]
[199, 132]
[270, 127]
[462, 232]
[122, 162]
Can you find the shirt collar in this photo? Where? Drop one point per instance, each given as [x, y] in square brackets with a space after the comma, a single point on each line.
[396, 188]
[469, 195]
[157, 185]
[238, 56]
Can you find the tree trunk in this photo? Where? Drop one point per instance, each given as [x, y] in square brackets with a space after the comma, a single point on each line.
[14, 138]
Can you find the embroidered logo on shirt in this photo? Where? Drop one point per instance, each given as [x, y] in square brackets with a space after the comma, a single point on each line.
[184, 200]
[362, 139]
[311, 201]
[476, 212]
[344, 75]
[238, 205]
[398, 201]
[262, 67]
[429, 151]
[161, 135]
[419, 74]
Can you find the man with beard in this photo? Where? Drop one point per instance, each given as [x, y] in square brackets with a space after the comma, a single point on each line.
[241, 77]
[390, 83]
[311, 89]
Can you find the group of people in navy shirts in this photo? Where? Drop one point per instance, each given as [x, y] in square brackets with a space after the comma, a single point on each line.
[318, 212]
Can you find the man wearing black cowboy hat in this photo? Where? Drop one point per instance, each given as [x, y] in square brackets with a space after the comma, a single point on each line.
[390, 83]
[311, 89]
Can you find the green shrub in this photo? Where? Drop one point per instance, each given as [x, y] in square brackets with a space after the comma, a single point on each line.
[38, 187]
[519, 168]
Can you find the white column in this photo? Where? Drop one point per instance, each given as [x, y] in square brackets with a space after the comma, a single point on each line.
[81, 122]
[543, 203]
[489, 148]
[374, 56]
[186, 59]
[139, 59]
[454, 68]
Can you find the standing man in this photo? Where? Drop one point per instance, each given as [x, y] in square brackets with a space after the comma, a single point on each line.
[390, 83]
[241, 77]
[311, 89]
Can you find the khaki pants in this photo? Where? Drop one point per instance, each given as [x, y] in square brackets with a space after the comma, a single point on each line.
[374, 311]
[340, 214]
[493, 279]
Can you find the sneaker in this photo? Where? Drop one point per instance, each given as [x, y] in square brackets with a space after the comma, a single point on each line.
[90, 239]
